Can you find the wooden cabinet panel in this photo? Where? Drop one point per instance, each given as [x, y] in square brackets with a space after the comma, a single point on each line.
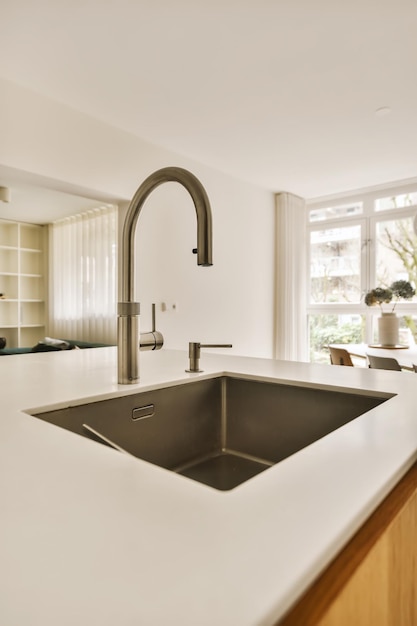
[402, 566]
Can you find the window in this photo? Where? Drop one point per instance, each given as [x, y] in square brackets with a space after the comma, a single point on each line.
[396, 201]
[395, 250]
[335, 264]
[362, 243]
[344, 210]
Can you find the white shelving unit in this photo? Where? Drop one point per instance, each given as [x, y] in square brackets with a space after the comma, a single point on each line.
[22, 283]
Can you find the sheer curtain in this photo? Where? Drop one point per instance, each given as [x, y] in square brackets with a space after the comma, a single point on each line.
[291, 263]
[82, 276]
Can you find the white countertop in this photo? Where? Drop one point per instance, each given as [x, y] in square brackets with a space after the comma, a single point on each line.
[92, 536]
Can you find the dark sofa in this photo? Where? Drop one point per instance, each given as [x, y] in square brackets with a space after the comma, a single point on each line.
[48, 348]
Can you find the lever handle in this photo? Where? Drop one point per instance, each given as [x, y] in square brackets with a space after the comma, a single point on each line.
[194, 348]
[216, 345]
[152, 340]
[153, 318]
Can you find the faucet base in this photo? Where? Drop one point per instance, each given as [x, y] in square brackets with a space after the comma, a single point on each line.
[128, 338]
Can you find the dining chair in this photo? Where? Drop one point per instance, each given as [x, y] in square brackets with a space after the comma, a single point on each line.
[340, 356]
[383, 363]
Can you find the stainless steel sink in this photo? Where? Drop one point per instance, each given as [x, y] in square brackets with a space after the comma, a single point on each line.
[222, 431]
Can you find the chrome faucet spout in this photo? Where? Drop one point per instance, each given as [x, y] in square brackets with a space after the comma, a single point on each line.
[128, 310]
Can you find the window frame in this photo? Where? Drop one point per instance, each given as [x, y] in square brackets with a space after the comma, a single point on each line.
[368, 221]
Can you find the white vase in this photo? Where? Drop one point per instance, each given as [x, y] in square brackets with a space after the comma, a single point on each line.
[388, 329]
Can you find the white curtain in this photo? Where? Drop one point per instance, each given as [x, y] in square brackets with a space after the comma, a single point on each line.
[82, 271]
[290, 304]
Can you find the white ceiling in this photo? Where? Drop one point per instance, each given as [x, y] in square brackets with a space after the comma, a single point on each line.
[39, 205]
[279, 93]
[39, 200]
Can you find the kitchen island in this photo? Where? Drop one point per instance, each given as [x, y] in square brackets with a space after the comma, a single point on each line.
[90, 535]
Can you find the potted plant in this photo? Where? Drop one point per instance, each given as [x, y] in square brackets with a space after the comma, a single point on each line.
[388, 323]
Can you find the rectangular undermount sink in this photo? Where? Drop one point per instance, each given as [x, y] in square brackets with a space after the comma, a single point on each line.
[222, 431]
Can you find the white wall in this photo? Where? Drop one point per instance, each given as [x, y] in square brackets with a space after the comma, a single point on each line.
[229, 302]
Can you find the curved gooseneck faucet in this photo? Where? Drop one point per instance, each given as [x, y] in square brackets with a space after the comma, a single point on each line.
[128, 335]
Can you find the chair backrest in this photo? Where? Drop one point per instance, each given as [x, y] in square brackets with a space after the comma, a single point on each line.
[340, 356]
[383, 363]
